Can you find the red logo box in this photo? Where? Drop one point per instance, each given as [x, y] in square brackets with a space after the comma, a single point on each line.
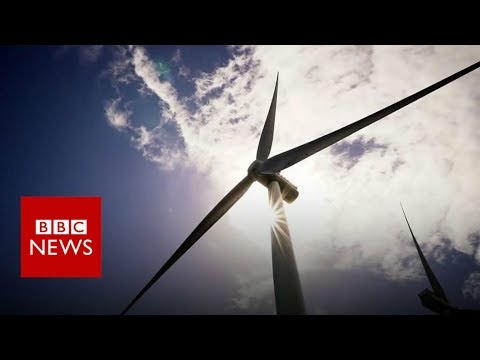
[60, 236]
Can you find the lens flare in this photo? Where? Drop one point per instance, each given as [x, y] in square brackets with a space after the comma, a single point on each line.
[278, 224]
[164, 71]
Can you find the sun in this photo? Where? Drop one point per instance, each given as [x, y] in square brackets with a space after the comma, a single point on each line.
[278, 220]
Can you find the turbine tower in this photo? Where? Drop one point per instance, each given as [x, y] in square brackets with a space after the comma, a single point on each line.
[288, 291]
[286, 281]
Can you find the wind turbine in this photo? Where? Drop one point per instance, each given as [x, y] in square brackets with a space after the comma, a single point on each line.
[436, 300]
[265, 170]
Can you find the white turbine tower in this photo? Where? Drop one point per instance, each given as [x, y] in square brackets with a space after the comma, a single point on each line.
[288, 290]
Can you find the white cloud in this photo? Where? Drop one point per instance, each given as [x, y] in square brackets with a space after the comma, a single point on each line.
[471, 287]
[145, 70]
[120, 69]
[117, 118]
[352, 213]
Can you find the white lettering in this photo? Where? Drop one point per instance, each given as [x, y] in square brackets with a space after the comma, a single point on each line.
[34, 244]
[43, 227]
[79, 227]
[70, 244]
[52, 247]
[61, 227]
[86, 246]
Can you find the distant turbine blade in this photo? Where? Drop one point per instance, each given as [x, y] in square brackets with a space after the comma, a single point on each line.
[213, 216]
[437, 288]
[293, 156]
[266, 139]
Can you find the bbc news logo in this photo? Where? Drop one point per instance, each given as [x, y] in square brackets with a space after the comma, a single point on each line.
[61, 227]
[60, 236]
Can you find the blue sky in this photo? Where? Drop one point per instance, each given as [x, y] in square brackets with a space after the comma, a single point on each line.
[162, 132]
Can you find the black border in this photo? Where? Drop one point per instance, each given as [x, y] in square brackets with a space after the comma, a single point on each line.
[243, 23]
[320, 336]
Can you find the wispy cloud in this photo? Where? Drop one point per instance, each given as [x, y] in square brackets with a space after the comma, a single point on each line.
[425, 155]
[177, 57]
[120, 70]
[471, 287]
[116, 117]
[254, 294]
[90, 53]
[184, 71]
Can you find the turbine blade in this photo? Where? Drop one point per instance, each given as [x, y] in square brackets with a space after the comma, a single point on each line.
[266, 139]
[293, 156]
[213, 216]
[437, 288]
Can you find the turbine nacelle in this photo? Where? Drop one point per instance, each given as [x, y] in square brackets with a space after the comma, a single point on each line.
[434, 303]
[289, 191]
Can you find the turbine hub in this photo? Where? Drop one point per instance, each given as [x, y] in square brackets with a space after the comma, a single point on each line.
[254, 168]
[289, 191]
